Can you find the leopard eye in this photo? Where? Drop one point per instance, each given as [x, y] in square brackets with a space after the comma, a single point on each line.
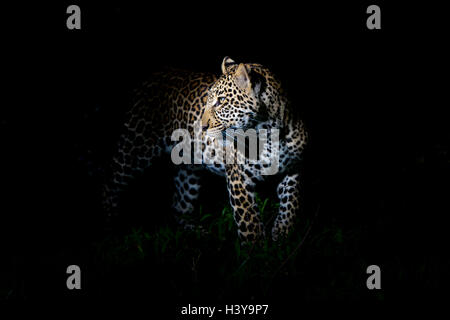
[219, 101]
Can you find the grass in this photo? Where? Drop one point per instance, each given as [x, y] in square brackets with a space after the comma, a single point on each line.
[213, 254]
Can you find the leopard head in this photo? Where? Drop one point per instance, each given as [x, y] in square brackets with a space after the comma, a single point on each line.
[233, 101]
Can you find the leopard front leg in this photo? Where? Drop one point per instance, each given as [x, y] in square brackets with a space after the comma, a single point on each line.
[289, 195]
[242, 199]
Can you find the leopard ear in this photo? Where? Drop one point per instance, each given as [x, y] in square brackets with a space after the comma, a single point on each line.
[227, 61]
[242, 78]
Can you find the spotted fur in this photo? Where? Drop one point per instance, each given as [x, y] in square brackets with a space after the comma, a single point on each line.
[244, 96]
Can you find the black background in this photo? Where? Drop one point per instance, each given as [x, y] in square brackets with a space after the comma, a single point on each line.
[362, 93]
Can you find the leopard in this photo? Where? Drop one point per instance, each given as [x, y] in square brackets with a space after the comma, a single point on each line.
[244, 96]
